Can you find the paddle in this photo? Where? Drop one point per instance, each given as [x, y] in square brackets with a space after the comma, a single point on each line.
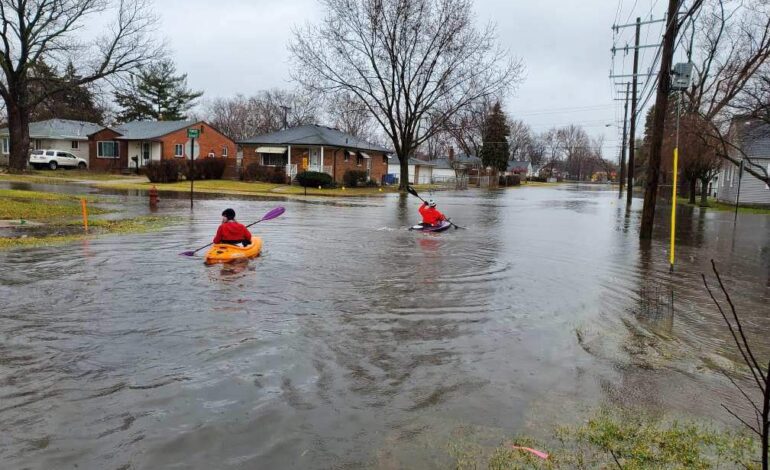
[413, 192]
[269, 216]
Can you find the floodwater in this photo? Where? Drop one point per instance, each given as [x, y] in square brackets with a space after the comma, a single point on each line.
[353, 342]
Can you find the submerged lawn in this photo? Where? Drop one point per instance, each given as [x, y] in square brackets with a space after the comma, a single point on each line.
[721, 206]
[617, 439]
[56, 218]
[35, 205]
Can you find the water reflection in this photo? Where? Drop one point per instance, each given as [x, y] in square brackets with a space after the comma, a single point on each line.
[351, 337]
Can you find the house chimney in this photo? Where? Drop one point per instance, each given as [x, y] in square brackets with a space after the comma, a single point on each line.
[451, 154]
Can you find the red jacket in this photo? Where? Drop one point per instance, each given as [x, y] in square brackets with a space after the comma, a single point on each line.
[430, 215]
[232, 231]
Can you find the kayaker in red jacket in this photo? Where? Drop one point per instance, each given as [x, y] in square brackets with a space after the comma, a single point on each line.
[232, 232]
[431, 215]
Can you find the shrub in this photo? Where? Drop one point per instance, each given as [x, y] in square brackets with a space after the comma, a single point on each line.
[353, 178]
[205, 168]
[510, 180]
[371, 184]
[309, 179]
[211, 168]
[538, 179]
[265, 174]
[164, 171]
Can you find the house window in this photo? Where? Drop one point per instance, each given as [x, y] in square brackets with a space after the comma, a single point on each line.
[347, 156]
[224, 151]
[5, 145]
[359, 159]
[74, 145]
[107, 149]
[179, 150]
[274, 159]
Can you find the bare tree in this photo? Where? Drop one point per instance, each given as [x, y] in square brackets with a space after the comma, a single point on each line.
[759, 374]
[729, 43]
[348, 114]
[520, 140]
[33, 31]
[576, 145]
[242, 117]
[467, 125]
[553, 150]
[412, 63]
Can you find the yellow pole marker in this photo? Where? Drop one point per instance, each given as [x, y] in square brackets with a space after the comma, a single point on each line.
[673, 209]
[85, 214]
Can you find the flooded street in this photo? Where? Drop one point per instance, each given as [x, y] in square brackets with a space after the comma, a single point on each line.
[352, 342]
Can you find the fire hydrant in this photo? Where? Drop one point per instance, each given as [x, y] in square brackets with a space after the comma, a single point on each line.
[153, 196]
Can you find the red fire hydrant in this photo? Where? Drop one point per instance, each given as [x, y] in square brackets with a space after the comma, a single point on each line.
[153, 196]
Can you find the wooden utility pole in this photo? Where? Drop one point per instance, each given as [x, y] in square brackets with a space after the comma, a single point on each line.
[658, 121]
[632, 141]
[623, 146]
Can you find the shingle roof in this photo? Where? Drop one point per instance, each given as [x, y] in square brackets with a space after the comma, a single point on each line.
[313, 135]
[60, 129]
[755, 138]
[418, 162]
[514, 165]
[442, 164]
[141, 130]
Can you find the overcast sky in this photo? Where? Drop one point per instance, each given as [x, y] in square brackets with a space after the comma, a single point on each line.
[240, 46]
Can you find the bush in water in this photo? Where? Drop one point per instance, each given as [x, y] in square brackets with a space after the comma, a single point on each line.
[310, 179]
[510, 180]
[265, 174]
[164, 171]
[353, 178]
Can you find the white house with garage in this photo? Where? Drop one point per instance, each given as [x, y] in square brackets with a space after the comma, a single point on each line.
[57, 134]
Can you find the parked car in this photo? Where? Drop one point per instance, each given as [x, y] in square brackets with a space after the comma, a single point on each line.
[54, 159]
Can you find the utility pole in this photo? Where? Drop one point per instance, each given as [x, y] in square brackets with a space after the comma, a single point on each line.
[658, 120]
[623, 147]
[632, 141]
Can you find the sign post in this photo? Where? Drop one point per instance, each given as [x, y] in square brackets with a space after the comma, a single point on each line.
[192, 134]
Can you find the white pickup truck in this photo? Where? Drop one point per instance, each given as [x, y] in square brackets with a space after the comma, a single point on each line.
[54, 159]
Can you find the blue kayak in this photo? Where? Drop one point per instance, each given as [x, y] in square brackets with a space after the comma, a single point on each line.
[432, 228]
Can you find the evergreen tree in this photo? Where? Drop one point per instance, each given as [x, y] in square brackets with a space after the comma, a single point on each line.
[494, 144]
[156, 93]
[75, 102]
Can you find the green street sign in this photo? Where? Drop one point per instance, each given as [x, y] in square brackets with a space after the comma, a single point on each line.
[193, 133]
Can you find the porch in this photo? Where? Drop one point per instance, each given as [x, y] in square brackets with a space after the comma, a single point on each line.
[141, 153]
[296, 159]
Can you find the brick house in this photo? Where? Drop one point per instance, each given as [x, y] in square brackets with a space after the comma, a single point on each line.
[316, 148]
[135, 144]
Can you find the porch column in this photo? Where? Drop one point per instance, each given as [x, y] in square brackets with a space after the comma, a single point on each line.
[288, 162]
[322, 159]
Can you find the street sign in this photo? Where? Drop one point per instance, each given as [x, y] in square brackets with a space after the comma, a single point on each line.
[193, 133]
[188, 150]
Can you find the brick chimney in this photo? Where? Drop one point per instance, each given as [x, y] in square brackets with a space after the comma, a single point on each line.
[451, 156]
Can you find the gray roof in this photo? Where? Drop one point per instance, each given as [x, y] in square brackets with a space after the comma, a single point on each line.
[146, 130]
[442, 164]
[514, 165]
[313, 135]
[418, 162]
[755, 137]
[64, 129]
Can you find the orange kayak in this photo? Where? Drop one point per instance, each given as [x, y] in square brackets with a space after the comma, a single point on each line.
[223, 253]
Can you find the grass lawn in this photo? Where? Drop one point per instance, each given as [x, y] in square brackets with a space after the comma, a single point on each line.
[34, 205]
[60, 217]
[63, 176]
[256, 188]
[721, 206]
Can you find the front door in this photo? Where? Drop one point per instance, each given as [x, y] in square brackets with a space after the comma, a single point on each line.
[315, 160]
[145, 153]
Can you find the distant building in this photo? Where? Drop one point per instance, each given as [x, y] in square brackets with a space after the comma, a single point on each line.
[752, 137]
[521, 168]
[59, 134]
[137, 143]
[316, 148]
[420, 171]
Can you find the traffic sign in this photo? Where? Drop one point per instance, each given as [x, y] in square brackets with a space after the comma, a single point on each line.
[193, 133]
